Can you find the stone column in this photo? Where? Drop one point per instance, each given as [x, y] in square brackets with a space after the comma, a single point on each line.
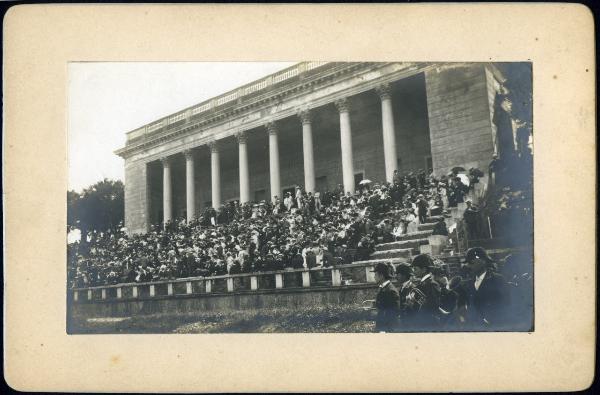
[389, 133]
[274, 160]
[346, 141]
[215, 174]
[244, 175]
[167, 198]
[190, 187]
[307, 147]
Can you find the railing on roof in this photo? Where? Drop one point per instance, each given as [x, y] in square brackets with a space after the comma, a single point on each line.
[227, 97]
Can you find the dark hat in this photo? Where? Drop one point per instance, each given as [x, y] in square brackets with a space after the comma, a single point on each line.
[422, 260]
[477, 252]
[382, 268]
[404, 269]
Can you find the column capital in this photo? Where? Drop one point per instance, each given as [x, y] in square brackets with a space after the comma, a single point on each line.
[241, 137]
[214, 146]
[343, 105]
[166, 161]
[188, 153]
[272, 128]
[304, 115]
[384, 91]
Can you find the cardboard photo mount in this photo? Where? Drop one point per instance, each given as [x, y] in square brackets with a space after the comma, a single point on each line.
[40, 40]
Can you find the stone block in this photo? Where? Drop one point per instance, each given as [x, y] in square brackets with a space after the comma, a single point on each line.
[306, 279]
[369, 274]
[278, 280]
[336, 277]
[425, 249]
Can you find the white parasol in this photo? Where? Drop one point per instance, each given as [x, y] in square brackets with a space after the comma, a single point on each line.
[464, 178]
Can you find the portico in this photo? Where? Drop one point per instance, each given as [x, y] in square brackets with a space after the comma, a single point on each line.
[339, 123]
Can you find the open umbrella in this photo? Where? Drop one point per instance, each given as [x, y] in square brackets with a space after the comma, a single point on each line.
[457, 169]
[365, 182]
[464, 178]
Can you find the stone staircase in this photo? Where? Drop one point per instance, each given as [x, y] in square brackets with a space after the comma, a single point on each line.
[408, 245]
[419, 242]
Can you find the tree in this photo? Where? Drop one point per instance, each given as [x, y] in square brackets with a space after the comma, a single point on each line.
[519, 86]
[99, 207]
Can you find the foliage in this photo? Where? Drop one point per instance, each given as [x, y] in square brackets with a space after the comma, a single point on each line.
[519, 86]
[99, 207]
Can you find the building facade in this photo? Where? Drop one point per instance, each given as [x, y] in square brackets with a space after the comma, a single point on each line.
[315, 124]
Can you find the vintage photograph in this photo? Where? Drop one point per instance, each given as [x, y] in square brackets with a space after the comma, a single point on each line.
[300, 197]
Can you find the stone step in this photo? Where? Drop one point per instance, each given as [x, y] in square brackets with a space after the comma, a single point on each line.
[426, 226]
[395, 253]
[415, 235]
[433, 219]
[396, 245]
[374, 262]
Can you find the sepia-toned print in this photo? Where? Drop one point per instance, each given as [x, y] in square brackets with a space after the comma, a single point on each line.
[311, 197]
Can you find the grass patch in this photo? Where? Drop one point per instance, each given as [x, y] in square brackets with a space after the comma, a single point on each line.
[314, 319]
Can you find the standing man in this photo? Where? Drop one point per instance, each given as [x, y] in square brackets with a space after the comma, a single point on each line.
[487, 292]
[471, 217]
[422, 206]
[424, 299]
[403, 275]
[387, 301]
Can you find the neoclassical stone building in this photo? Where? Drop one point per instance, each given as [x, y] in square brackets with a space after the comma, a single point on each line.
[316, 124]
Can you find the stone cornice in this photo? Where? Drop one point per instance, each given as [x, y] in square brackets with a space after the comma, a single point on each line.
[249, 103]
[221, 117]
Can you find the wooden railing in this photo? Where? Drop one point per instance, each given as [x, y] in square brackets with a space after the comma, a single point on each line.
[227, 97]
[334, 276]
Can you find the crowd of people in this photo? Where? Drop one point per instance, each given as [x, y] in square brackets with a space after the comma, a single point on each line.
[483, 295]
[302, 230]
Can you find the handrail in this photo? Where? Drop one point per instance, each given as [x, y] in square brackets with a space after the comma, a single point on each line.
[225, 276]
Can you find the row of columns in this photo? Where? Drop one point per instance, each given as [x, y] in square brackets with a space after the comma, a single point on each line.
[343, 107]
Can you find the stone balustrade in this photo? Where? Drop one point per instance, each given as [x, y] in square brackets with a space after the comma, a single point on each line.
[358, 273]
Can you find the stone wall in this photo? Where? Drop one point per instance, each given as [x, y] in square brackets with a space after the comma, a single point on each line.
[459, 117]
[136, 196]
[290, 298]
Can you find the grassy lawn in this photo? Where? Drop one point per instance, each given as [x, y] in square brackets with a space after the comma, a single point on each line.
[318, 319]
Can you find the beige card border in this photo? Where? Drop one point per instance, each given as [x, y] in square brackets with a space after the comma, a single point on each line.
[41, 39]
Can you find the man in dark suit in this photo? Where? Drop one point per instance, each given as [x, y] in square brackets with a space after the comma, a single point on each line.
[424, 299]
[406, 285]
[387, 301]
[471, 217]
[487, 292]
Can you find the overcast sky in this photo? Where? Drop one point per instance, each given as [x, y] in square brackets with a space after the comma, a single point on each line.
[108, 99]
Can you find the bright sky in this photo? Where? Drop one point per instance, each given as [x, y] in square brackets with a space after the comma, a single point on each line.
[108, 99]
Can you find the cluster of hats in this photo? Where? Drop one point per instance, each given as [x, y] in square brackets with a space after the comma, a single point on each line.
[427, 262]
